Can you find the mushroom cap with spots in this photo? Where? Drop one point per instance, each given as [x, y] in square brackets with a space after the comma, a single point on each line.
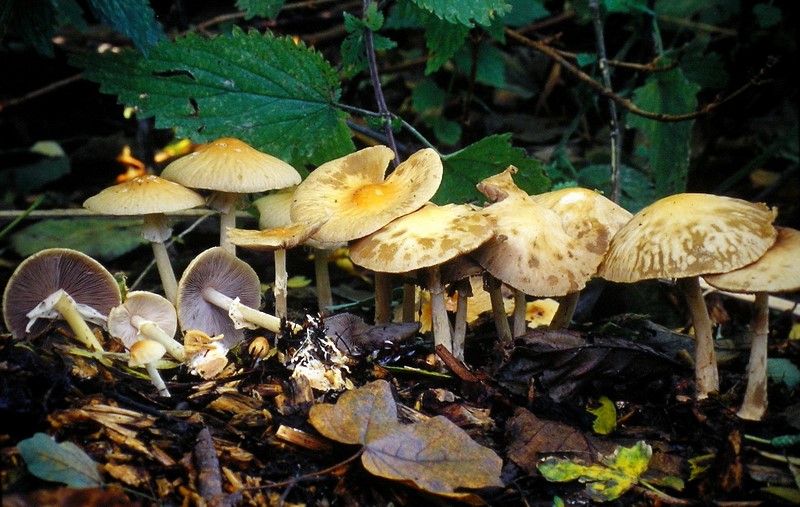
[686, 235]
[353, 191]
[45, 272]
[427, 237]
[220, 270]
[775, 271]
[233, 166]
[147, 306]
[144, 195]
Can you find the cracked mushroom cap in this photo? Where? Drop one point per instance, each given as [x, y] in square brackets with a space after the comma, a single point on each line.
[687, 235]
[775, 271]
[427, 237]
[45, 272]
[147, 306]
[220, 270]
[144, 195]
[233, 166]
[353, 191]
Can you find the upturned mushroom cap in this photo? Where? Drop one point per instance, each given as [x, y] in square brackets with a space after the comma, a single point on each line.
[276, 238]
[146, 306]
[427, 237]
[43, 273]
[220, 270]
[144, 195]
[233, 166]
[144, 352]
[352, 190]
[501, 186]
[775, 271]
[687, 235]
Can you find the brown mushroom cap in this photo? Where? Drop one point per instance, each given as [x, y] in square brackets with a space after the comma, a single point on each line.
[427, 237]
[352, 190]
[45, 272]
[220, 270]
[144, 195]
[775, 271]
[233, 166]
[687, 235]
[277, 238]
[147, 306]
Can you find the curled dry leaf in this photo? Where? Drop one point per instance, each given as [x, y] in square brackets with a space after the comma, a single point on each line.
[433, 455]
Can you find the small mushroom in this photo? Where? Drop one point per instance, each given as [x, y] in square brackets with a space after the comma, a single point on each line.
[684, 236]
[775, 271]
[59, 283]
[152, 197]
[146, 353]
[145, 315]
[230, 168]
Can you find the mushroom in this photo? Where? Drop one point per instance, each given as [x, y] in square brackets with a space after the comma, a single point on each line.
[775, 271]
[218, 294]
[230, 168]
[145, 315]
[684, 236]
[152, 197]
[425, 239]
[353, 192]
[146, 353]
[59, 283]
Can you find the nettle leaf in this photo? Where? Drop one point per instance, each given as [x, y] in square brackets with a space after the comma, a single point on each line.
[277, 95]
[260, 8]
[133, 18]
[96, 237]
[443, 40]
[491, 155]
[65, 462]
[354, 47]
[465, 12]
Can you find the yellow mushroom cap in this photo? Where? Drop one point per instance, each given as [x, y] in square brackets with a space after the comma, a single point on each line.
[501, 186]
[352, 190]
[687, 235]
[144, 195]
[775, 271]
[427, 237]
[273, 209]
[233, 166]
[145, 351]
[276, 238]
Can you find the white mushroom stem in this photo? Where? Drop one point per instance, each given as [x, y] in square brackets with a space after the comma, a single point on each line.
[706, 373]
[520, 307]
[156, 230]
[153, 331]
[460, 329]
[323, 280]
[251, 315]
[155, 378]
[754, 406]
[65, 306]
[565, 311]
[493, 287]
[439, 321]
[226, 203]
[281, 284]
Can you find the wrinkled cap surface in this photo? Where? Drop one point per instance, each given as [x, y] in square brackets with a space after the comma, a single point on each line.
[427, 237]
[775, 271]
[689, 235]
[532, 252]
[47, 271]
[147, 306]
[231, 165]
[144, 195]
[352, 190]
[229, 275]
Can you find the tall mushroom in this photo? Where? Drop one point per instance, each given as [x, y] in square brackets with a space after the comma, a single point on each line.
[144, 315]
[685, 236]
[230, 168]
[152, 197]
[59, 283]
[775, 271]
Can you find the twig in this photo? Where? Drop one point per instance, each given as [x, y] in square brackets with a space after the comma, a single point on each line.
[39, 200]
[41, 91]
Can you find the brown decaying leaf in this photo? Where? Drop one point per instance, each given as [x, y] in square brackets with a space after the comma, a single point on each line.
[433, 455]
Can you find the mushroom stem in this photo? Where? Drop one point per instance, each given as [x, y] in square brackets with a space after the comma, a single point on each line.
[755, 397]
[565, 311]
[226, 203]
[153, 331]
[520, 306]
[460, 330]
[383, 298]
[706, 373]
[439, 321]
[281, 283]
[165, 271]
[66, 308]
[493, 285]
[155, 378]
[251, 315]
[409, 302]
[324, 295]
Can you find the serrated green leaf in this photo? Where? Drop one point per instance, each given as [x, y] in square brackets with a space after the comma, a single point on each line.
[467, 167]
[65, 462]
[605, 414]
[96, 237]
[260, 8]
[133, 18]
[277, 95]
[465, 12]
[443, 40]
[668, 151]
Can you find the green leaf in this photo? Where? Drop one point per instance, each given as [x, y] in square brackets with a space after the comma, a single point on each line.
[490, 64]
[668, 151]
[268, 91]
[65, 462]
[767, 15]
[35, 21]
[637, 189]
[133, 18]
[605, 414]
[467, 167]
[96, 237]
[30, 177]
[524, 12]
[260, 8]
[465, 12]
[447, 132]
[443, 40]
[427, 95]
[783, 370]
[626, 6]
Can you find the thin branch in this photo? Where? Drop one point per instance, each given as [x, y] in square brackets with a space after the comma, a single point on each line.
[41, 91]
